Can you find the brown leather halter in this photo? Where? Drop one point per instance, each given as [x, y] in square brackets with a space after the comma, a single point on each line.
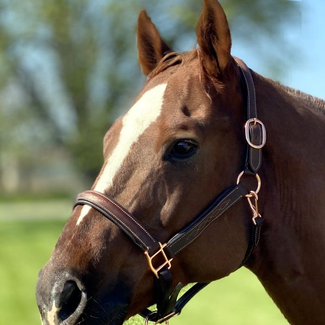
[159, 255]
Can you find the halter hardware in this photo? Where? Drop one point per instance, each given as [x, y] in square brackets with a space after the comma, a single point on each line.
[150, 259]
[253, 205]
[254, 121]
[166, 298]
[162, 320]
[258, 179]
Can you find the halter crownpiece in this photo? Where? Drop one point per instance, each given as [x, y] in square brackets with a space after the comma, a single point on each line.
[166, 298]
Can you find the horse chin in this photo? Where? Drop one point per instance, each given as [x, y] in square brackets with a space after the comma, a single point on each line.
[117, 318]
[101, 315]
[107, 309]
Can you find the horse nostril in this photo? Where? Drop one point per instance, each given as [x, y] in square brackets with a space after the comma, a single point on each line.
[69, 300]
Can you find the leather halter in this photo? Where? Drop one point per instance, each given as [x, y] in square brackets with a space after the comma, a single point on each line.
[163, 254]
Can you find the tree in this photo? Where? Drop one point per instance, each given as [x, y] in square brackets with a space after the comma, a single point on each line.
[76, 60]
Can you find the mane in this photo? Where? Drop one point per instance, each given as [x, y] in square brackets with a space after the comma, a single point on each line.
[314, 103]
[173, 59]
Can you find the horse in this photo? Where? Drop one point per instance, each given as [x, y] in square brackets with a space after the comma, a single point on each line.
[187, 179]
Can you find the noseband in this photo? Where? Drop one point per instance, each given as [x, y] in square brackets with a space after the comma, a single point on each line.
[160, 256]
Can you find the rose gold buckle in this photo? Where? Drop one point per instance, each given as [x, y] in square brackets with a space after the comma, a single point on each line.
[167, 262]
[247, 135]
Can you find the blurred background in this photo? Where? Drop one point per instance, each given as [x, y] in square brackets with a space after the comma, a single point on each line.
[68, 69]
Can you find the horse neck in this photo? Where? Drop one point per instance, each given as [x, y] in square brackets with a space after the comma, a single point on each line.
[288, 261]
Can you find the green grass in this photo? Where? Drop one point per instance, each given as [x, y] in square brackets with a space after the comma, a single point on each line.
[25, 246]
[48, 209]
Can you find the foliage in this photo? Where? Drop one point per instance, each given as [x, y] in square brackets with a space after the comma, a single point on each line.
[74, 63]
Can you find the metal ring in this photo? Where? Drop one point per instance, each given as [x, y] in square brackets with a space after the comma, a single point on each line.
[247, 135]
[259, 182]
[147, 319]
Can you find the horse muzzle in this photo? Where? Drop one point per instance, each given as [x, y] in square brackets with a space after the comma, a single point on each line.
[64, 300]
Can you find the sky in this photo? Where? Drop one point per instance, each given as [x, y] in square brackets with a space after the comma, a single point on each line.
[308, 71]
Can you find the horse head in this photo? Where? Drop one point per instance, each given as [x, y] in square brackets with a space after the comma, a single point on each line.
[165, 161]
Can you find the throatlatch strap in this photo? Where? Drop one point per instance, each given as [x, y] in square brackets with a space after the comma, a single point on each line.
[254, 240]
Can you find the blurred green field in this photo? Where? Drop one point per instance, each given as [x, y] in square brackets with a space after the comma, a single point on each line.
[26, 244]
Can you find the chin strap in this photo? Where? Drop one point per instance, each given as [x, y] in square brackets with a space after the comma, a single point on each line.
[171, 306]
[166, 299]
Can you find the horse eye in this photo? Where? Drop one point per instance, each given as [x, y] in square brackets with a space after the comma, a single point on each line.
[183, 149]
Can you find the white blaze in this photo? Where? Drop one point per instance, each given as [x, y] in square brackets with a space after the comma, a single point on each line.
[144, 112]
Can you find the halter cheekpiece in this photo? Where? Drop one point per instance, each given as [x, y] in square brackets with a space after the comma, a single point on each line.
[160, 256]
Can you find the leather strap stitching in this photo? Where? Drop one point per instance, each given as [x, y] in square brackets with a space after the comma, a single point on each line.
[205, 221]
[124, 212]
[82, 199]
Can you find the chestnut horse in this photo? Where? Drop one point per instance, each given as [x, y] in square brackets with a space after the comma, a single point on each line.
[165, 163]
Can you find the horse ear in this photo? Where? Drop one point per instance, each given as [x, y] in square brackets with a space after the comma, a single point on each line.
[214, 38]
[150, 45]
